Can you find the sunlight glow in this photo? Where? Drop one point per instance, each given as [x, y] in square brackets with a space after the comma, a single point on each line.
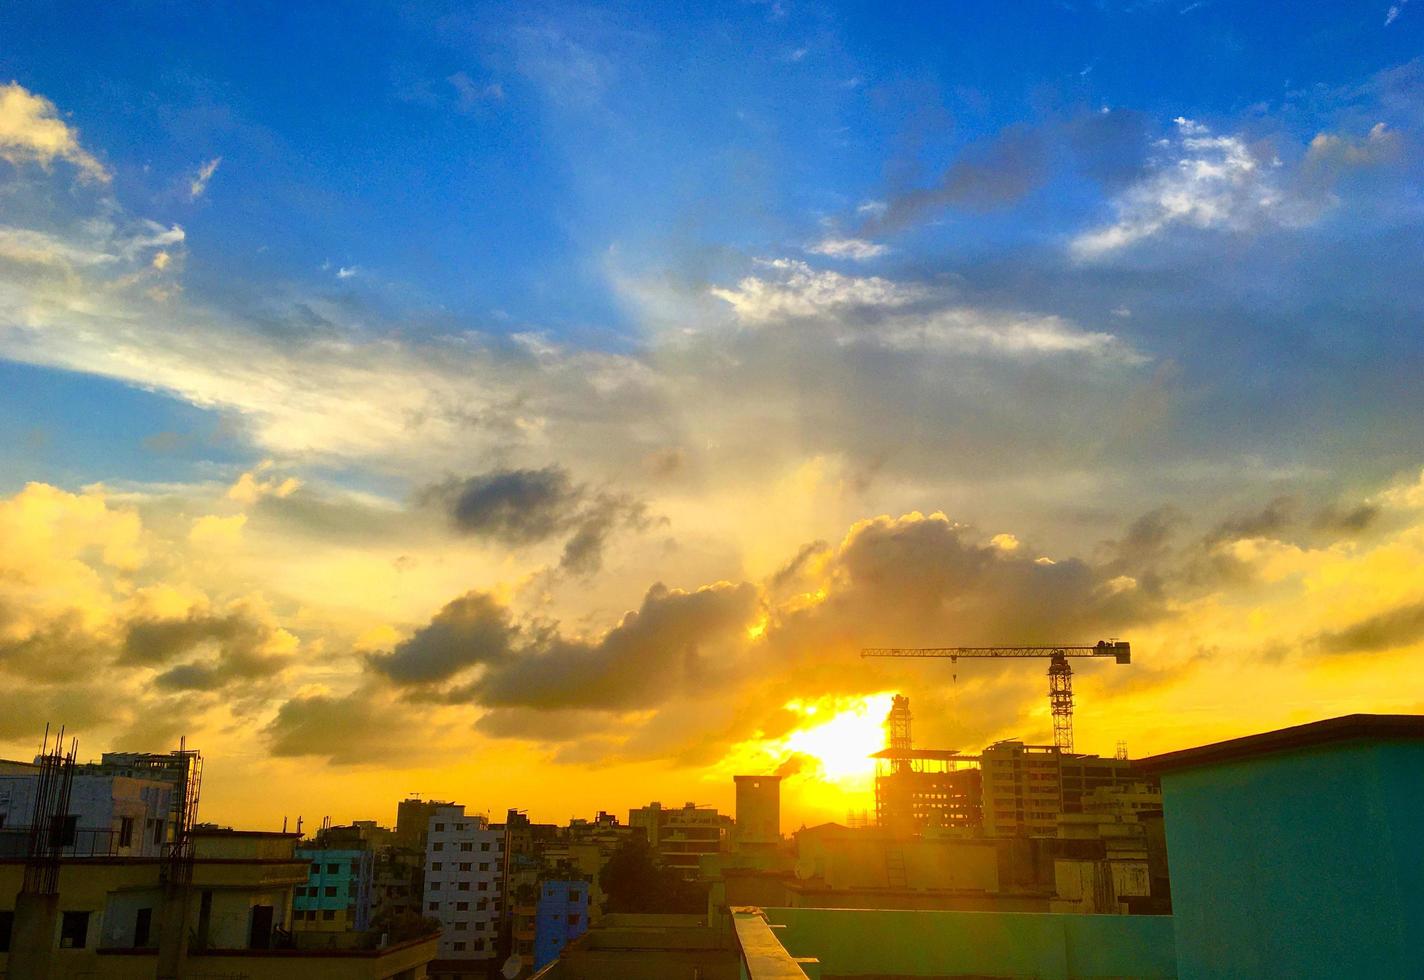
[829, 753]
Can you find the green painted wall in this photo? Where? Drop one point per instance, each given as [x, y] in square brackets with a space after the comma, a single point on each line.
[1302, 864]
[857, 942]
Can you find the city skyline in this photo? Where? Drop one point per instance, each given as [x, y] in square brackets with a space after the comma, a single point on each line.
[540, 406]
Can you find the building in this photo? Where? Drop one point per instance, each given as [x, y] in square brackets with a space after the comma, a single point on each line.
[337, 896]
[121, 917]
[1297, 853]
[464, 886]
[110, 815]
[927, 789]
[758, 820]
[413, 821]
[1027, 787]
[682, 836]
[560, 918]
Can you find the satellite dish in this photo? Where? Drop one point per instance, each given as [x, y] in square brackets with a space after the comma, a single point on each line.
[512, 967]
[805, 868]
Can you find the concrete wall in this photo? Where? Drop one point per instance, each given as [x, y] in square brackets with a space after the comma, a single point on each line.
[872, 943]
[1308, 863]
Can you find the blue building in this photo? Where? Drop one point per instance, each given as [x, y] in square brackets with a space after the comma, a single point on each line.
[561, 917]
[1297, 853]
[337, 895]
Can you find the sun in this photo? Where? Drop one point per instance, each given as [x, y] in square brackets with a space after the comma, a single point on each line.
[831, 748]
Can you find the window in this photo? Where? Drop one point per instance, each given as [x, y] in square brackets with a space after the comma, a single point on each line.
[459, 826]
[437, 846]
[484, 866]
[465, 846]
[65, 830]
[7, 922]
[458, 947]
[157, 826]
[484, 846]
[435, 866]
[333, 869]
[435, 906]
[573, 920]
[316, 870]
[462, 906]
[126, 831]
[461, 924]
[73, 930]
[435, 886]
[484, 885]
[482, 904]
[479, 944]
[330, 891]
[464, 886]
[465, 866]
[575, 898]
[439, 828]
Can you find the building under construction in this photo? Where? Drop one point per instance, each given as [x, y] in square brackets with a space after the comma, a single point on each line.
[1009, 790]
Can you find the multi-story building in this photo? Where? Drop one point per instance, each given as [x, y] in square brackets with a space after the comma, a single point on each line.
[682, 836]
[109, 815]
[413, 821]
[338, 894]
[464, 879]
[560, 918]
[1027, 787]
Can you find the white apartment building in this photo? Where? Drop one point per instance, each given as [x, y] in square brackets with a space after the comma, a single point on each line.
[464, 875]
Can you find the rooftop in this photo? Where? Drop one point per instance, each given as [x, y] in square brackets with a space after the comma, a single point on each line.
[1343, 729]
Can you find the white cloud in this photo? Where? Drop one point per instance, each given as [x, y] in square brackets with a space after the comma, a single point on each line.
[32, 132]
[1394, 11]
[794, 289]
[848, 248]
[1205, 181]
[199, 183]
[470, 93]
[346, 272]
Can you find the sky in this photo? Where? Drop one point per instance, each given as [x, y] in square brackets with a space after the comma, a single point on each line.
[540, 405]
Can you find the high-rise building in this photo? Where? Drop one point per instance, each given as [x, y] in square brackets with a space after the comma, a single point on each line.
[1027, 787]
[560, 918]
[464, 882]
[758, 810]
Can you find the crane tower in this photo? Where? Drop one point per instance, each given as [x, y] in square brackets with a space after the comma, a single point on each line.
[1060, 673]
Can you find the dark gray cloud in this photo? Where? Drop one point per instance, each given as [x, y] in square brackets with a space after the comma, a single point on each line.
[356, 728]
[234, 646]
[473, 629]
[522, 507]
[1396, 628]
[1278, 515]
[1346, 520]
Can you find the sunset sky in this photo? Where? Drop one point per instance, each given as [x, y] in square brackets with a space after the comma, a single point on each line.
[539, 406]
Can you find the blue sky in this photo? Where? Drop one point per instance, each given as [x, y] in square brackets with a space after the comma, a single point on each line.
[583, 309]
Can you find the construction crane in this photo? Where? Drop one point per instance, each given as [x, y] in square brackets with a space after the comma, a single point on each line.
[1060, 674]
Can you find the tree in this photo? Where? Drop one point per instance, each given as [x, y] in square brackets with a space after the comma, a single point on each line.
[634, 882]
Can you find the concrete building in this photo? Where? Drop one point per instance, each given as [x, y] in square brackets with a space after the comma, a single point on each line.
[1297, 853]
[927, 789]
[110, 918]
[560, 917]
[758, 820]
[464, 886]
[682, 836]
[337, 896]
[110, 815]
[413, 821]
[1027, 787]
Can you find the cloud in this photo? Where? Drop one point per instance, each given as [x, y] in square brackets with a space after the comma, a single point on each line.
[1201, 180]
[471, 630]
[1395, 9]
[470, 95]
[216, 648]
[792, 289]
[31, 131]
[857, 249]
[522, 507]
[199, 183]
[1212, 182]
[1399, 627]
[987, 175]
[351, 729]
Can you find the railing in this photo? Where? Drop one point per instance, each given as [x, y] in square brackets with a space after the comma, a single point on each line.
[86, 842]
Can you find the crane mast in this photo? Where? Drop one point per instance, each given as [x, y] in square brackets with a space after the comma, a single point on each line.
[1060, 673]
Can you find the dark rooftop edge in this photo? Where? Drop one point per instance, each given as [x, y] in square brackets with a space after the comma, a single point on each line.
[1343, 729]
